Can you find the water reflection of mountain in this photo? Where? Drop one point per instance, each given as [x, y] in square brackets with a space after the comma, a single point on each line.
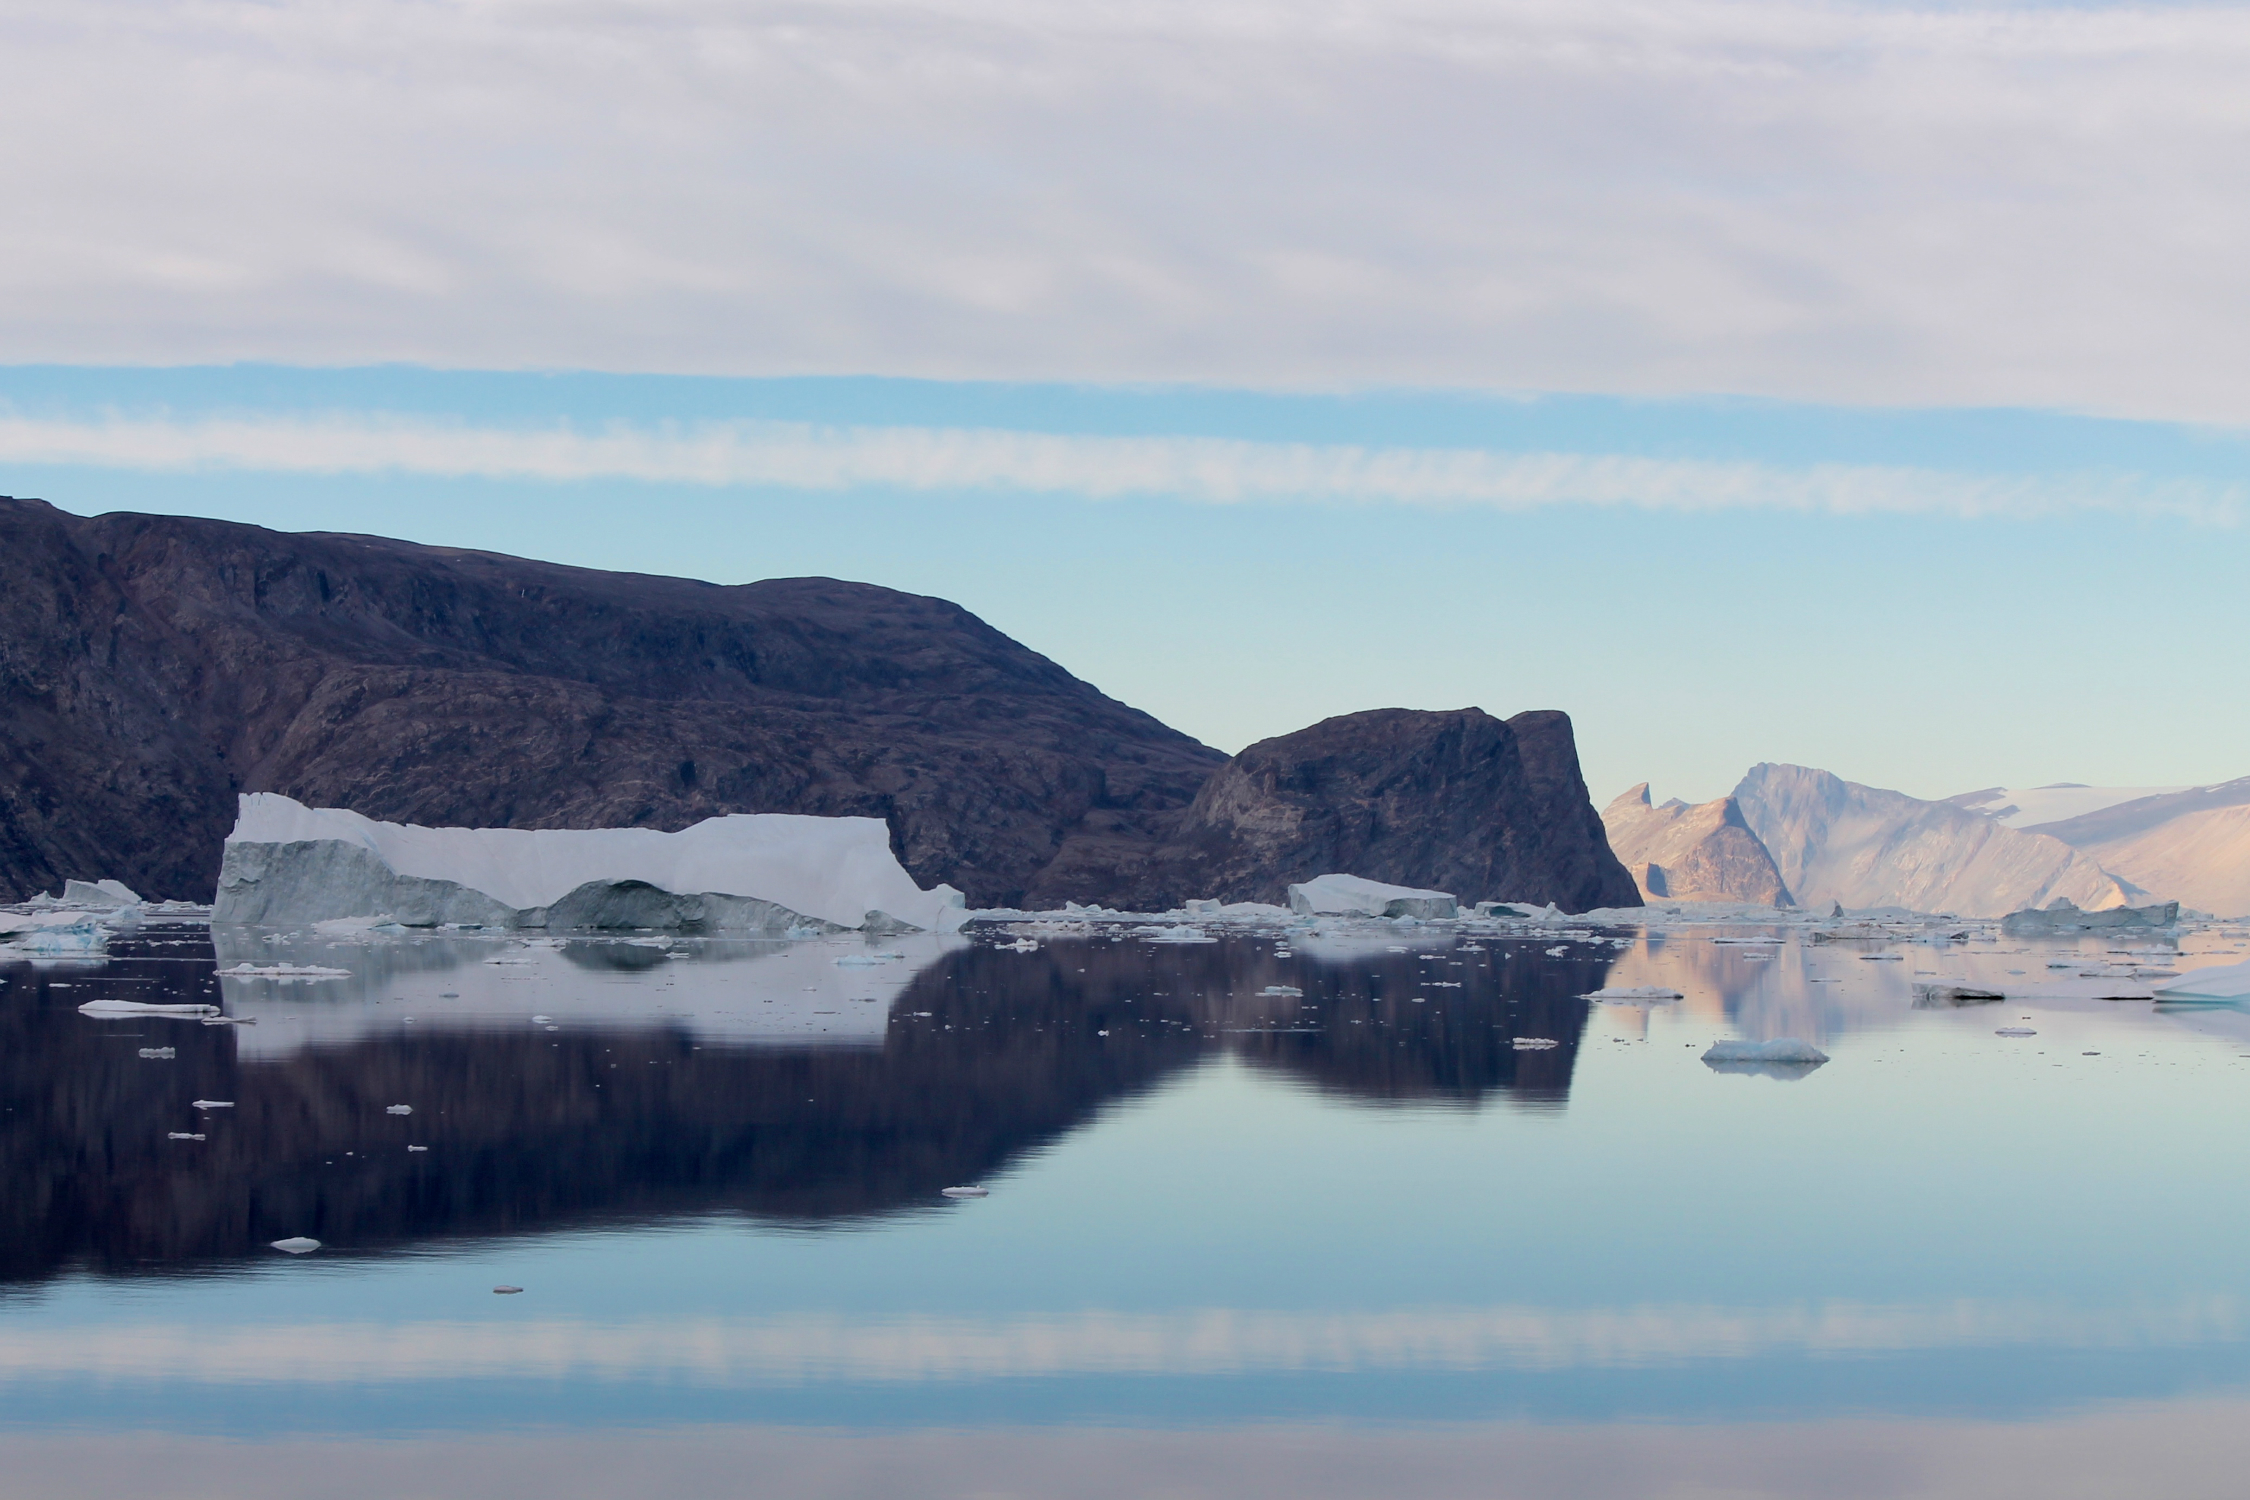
[988, 1055]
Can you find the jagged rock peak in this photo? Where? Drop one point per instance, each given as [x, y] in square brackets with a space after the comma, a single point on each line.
[1706, 852]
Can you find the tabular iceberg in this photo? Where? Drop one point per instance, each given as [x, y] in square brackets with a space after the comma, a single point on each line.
[288, 864]
[1349, 895]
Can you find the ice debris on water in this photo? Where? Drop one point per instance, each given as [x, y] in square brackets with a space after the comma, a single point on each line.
[2015, 1031]
[160, 1054]
[1534, 1043]
[398, 1109]
[966, 1192]
[297, 1244]
[212, 1104]
[1284, 991]
[417, 1148]
[184, 1135]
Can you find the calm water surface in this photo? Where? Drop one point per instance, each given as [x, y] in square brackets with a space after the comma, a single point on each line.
[1374, 1239]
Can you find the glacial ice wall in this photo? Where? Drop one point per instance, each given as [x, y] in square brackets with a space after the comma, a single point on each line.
[287, 864]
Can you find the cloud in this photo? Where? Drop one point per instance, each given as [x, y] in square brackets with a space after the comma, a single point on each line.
[1962, 204]
[1213, 471]
[1211, 1341]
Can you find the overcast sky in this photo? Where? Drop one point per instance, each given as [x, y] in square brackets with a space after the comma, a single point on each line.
[1856, 384]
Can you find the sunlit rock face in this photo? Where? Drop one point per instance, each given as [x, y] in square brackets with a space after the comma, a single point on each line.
[1835, 841]
[153, 667]
[1461, 802]
[1706, 852]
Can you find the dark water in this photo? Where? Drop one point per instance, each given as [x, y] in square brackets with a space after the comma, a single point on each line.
[1436, 1225]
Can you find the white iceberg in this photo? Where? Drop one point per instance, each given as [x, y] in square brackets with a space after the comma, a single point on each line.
[1634, 994]
[297, 1244]
[288, 864]
[1782, 1049]
[2221, 982]
[1351, 896]
[99, 893]
[99, 1008]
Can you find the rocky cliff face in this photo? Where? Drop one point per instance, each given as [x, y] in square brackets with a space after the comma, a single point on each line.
[152, 667]
[1461, 802]
[1702, 853]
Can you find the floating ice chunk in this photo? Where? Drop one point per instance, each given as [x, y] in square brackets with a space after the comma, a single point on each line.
[1179, 935]
[284, 972]
[59, 934]
[417, 1148]
[2222, 982]
[297, 1244]
[212, 1104]
[2063, 916]
[99, 1008]
[184, 1135]
[398, 1109]
[160, 1054]
[1634, 994]
[1285, 991]
[1557, 952]
[967, 1192]
[869, 960]
[1349, 895]
[1782, 1049]
[1533, 1043]
[2015, 1031]
[1937, 993]
[506, 1291]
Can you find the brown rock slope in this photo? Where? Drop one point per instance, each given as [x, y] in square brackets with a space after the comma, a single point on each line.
[1701, 853]
[152, 667]
[1459, 801]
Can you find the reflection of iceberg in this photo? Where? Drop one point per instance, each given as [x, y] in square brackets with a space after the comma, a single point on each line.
[291, 865]
[761, 993]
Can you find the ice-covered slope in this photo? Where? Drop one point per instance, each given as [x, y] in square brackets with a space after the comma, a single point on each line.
[1835, 840]
[1702, 853]
[287, 863]
[2200, 859]
[2027, 808]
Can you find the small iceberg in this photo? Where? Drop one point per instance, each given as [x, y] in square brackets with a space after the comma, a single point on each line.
[296, 1244]
[1785, 1058]
[1179, 935]
[967, 1192]
[247, 970]
[1283, 991]
[1533, 1043]
[2222, 983]
[1782, 1049]
[212, 1104]
[1634, 994]
[101, 1008]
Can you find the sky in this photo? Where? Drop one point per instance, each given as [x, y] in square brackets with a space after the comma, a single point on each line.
[1855, 385]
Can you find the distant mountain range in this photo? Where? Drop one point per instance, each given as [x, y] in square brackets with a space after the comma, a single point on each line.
[1983, 853]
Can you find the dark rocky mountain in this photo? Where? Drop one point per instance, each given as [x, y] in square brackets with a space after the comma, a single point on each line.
[1458, 801]
[153, 667]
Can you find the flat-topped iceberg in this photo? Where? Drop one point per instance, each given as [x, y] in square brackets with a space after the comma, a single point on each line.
[291, 865]
[1349, 895]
